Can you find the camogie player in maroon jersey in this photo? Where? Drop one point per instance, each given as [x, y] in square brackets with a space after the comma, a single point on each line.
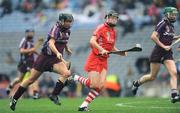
[27, 58]
[50, 59]
[163, 35]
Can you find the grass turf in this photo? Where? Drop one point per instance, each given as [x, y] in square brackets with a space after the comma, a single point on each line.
[100, 105]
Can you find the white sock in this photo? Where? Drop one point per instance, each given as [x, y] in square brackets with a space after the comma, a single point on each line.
[84, 104]
[90, 97]
[76, 77]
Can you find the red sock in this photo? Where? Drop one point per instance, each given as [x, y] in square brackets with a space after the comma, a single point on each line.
[90, 97]
[84, 81]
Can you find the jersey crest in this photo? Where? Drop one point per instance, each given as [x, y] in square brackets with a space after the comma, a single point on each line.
[167, 29]
[108, 36]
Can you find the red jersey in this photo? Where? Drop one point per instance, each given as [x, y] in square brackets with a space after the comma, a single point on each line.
[106, 37]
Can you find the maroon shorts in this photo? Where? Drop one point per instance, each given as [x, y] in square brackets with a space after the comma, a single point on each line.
[24, 67]
[45, 62]
[160, 55]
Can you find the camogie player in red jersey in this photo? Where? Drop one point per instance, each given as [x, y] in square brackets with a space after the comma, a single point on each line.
[102, 42]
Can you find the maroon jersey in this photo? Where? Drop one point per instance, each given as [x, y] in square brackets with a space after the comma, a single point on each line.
[28, 57]
[165, 31]
[61, 37]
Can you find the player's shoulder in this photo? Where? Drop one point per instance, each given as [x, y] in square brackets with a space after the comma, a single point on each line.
[100, 27]
[161, 23]
[56, 25]
[23, 39]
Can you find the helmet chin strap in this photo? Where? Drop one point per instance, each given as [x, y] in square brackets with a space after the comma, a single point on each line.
[29, 37]
[111, 25]
[172, 21]
[63, 27]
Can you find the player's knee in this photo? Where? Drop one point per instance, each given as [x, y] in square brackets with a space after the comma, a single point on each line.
[66, 73]
[174, 73]
[95, 85]
[98, 86]
[101, 87]
[30, 81]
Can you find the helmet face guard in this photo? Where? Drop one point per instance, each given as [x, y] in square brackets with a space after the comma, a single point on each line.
[65, 17]
[110, 14]
[29, 34]
[171, 13]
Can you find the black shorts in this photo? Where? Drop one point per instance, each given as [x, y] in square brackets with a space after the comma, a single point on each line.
[159, 55]
[45, 62]
[24, 67]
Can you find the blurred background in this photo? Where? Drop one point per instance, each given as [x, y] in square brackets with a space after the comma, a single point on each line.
[136, 23]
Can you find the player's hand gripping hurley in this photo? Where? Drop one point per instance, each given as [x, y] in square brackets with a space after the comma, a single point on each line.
[68, 63]
[175, 42]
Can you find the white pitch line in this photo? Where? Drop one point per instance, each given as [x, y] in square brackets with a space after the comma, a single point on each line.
[133, 106]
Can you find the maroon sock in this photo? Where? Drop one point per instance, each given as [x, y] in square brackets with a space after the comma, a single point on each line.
[58, 88]
[19, 92]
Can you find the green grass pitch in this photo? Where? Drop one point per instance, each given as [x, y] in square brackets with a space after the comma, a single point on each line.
[100, 105]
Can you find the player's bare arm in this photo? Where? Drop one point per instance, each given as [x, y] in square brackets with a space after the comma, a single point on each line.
[25, 51]
[155, 38]
[68, 50]
[93, 42]
[54, 49]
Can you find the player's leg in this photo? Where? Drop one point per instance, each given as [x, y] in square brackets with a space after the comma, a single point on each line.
[148, 77]
[171, 67]
[14, 82]
[69, 79]
[87, 81]
[33, 89]
[83, 80]
[93, 76]
[22, 88]
[64, 73]
[97, 83]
